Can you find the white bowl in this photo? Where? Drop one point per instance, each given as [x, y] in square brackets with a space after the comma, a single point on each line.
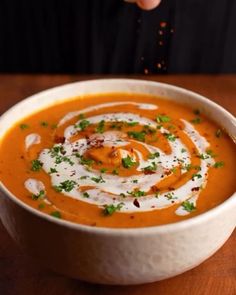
[117, 256]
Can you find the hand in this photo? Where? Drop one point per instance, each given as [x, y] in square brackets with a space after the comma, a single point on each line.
[146, 4]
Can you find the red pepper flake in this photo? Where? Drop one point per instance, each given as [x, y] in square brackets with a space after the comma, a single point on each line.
[195, 189]
[59, 139]
[136, 203]
[171, 188]
[155, 189]
[131, 217]
[148, 172]
[163, 24]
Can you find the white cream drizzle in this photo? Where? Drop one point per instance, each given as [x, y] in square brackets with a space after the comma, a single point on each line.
[32, 139]
[71, 115]
[111, 188]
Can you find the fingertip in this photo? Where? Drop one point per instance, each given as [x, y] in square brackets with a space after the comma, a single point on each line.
[148, 4]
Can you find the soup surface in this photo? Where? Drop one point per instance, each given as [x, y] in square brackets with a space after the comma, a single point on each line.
[119, 160]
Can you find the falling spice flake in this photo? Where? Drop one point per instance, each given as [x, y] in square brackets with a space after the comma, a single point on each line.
[163, 24]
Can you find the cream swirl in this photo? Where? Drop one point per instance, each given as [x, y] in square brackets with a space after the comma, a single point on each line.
[106, 188]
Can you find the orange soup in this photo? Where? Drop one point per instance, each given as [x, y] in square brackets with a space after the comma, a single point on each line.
[119, 160]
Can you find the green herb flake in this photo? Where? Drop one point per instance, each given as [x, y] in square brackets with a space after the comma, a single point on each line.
[24, 126]
[137, 194]
[151, 168]
[132, 124]
[196, 176]
[170, 136]
[135, 181]
[219, 164]
[154, 155]
[81, 116]
[196, 120]
[128, 162]
[183, 150]
[137, 135]
[98, 179]
[188, 206]
[38, 196]
[101, 127]
[110, 209]
[85, 161]
[103, 170]
[41, 206]
[86, 195]
[56, 214]
[36, 165]
[67, 186]
[53, 170]
[82, 124]
[115, 172]
[162, 119]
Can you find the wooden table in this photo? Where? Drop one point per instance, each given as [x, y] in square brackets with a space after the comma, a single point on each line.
[20, 275]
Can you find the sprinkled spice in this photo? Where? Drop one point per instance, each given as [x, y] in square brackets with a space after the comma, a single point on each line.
[36, 165]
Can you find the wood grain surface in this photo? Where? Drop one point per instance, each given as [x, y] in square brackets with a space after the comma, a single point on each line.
[19, 274]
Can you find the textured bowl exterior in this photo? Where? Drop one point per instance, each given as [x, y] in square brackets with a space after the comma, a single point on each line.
[116, 256]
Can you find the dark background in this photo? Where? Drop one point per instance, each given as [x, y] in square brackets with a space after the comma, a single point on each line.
[111, 36]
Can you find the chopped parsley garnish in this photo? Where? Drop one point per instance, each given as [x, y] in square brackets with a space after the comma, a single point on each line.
[115, 172]
[135, 180]
[211, 153]
[103, 170]
[170, 136]
[84, 177]
[98, 179]
[218, 164]
[24, 126]
[40, 195]
[82, 124]
[137, 194]
[60, 159]
[196, 176]
[67, 186]
[84, 161]
[188, 206]
[53, 170]
[218, 133]
[86, 195]
[132, 123]
[44, 124]
[170, 196]
[110, 209]
[183, 150]
[128, 162]
[137, 135]
[152, 167]
[56, 214]
[101, 127]
[154, 155]
[41, 206]
[36, 165]
[196, 120]
[162, 119]
[81, 116]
